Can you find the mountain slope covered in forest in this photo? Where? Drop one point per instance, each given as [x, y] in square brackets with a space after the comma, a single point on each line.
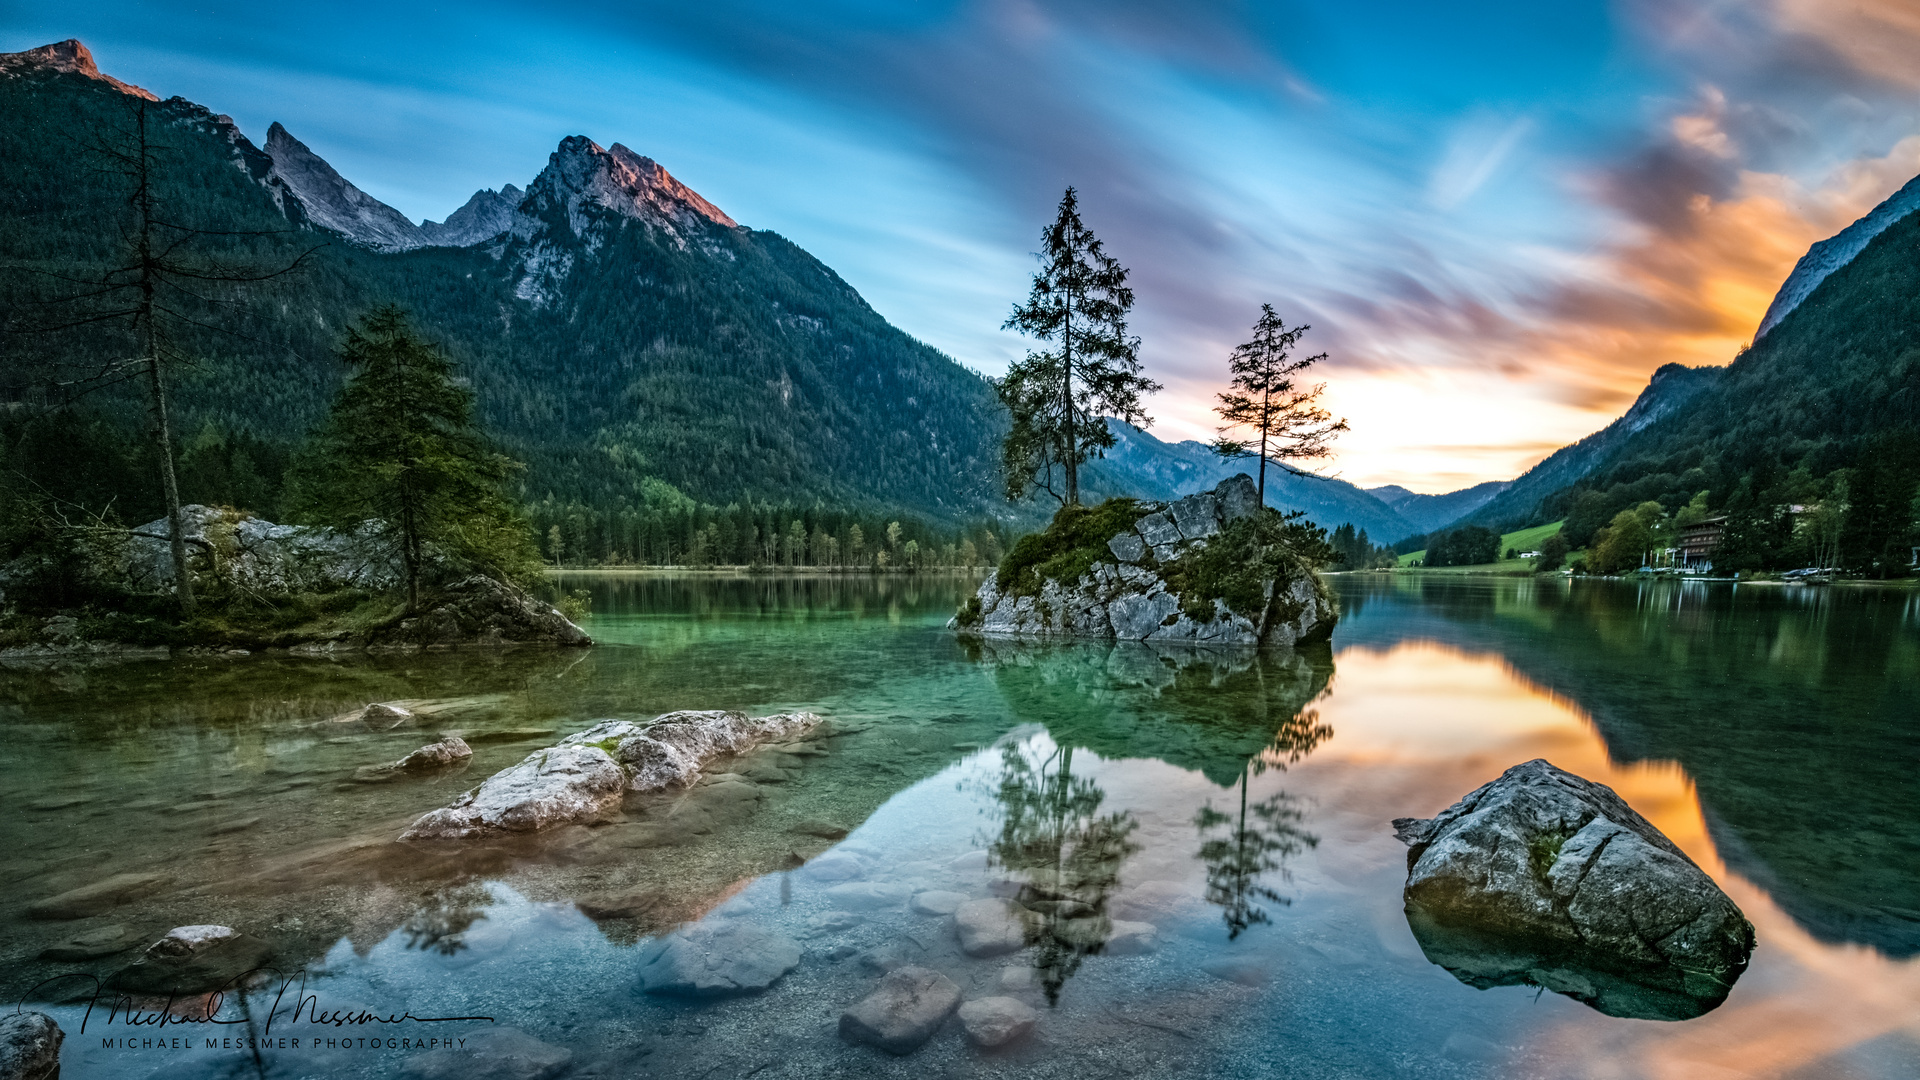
[620, 332]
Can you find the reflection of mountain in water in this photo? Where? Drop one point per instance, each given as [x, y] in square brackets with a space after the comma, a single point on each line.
[1207, 710]
[1791, 709]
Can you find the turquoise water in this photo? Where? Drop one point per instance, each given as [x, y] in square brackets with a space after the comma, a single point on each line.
[1236, 805]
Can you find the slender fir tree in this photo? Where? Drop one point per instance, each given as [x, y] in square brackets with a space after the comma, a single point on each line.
[1060, 396]
[172, 277]
[401, 446]
[1285, 420]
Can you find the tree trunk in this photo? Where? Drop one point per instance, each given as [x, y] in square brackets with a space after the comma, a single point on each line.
[410, 550]
[1073, 443]
[156, 378]
[169, 484]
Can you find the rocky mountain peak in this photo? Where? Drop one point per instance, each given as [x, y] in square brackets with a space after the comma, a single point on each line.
[1835, 252]
[580, 173]
[69, 56]
[333, 202]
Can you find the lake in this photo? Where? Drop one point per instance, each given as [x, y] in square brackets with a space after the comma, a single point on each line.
[1231, 810]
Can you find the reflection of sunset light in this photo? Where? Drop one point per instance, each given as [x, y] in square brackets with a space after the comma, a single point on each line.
[1424, 723]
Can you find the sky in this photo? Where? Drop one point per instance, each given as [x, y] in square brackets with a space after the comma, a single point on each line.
[1499, 217]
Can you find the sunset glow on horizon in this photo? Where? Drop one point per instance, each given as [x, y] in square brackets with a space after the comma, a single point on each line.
[1500, 220]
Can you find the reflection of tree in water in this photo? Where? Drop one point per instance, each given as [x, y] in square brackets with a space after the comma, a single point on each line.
[1264, 835]
[1068, 853]
[1259, 841]
[437, 924]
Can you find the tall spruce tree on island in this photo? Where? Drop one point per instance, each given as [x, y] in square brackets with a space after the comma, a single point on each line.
[1059, 397]
[1285, 420]
[401, 446]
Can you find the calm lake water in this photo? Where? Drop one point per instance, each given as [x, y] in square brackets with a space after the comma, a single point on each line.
[1238, 804]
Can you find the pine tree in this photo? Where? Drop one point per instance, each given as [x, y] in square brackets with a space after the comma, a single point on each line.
[1286, 420]
[1059, 397]
[401, 446]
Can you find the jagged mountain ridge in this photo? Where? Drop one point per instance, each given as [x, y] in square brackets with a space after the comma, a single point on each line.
[624, 336]
[1835, 252]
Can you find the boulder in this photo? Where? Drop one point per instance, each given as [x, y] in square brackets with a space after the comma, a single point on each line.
[184, 941]
[477, 610]
[909, 1006]
[996, 1021]
[716, 960]
[1545, 879]
[30, 1046]
[993, 927]
[1134, 597]
[194, 960]
[557, 786]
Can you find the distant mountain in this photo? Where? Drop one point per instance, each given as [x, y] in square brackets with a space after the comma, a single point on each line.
[1517, 505]
[1835, 252]
[1428, 512]
[1144, 466]
[625, 337]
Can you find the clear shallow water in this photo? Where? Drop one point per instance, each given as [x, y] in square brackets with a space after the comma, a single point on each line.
[1770, 732]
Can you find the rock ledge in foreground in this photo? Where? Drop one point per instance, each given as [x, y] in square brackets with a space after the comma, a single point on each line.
[585, 777]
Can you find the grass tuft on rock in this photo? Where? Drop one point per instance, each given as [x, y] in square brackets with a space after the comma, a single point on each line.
[1067, 548]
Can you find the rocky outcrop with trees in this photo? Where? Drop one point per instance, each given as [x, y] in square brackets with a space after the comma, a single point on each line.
[1215, 567]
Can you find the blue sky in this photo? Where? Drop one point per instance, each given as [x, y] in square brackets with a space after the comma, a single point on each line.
[1500, 217]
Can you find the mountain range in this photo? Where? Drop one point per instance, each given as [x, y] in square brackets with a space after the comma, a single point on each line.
[633, 343]
[622, 332]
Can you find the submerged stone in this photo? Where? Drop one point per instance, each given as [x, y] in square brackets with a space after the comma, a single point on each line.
[99, 897]
[909, 1006]
[103, 941]
[992, 927]
[996, 1021]
[1545, 879]
[717, 960]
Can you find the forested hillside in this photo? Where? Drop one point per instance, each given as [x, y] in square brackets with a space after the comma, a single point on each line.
[1810, 440]
[629, 364]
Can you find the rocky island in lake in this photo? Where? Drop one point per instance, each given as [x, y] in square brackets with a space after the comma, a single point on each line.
[1213, 568]
[304, 588]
